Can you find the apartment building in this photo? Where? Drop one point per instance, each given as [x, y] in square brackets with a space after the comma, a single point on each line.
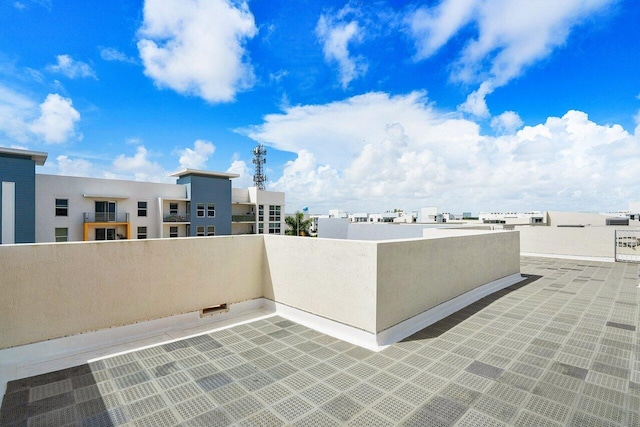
[52, 208]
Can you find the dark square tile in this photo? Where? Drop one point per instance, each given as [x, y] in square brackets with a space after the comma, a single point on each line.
[621, 326]
[214, 381]
[484, 370]
[342, 407]
[572, 371]
[445, 409]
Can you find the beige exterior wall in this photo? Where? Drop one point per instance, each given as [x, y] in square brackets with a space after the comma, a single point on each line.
[597, 242]
[576, 218]
[416, 275]
[335, 279]
[55, 290]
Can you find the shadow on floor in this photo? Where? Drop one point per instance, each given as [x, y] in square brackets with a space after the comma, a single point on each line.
[442, 326]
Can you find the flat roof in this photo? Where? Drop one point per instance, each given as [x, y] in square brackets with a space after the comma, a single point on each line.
[37, 156]
[212, 174]
[558, 349]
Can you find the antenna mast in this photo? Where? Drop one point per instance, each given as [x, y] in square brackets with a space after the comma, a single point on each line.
[259, 178]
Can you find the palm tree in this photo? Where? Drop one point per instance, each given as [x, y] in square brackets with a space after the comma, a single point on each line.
[298, 226]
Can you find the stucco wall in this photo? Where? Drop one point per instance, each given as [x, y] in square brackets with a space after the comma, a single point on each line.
[335, 279]
[416, 275]
[54, 290]
[597, 242]
[576, 218]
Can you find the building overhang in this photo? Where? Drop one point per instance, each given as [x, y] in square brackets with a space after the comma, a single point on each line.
[186, 172]
[104, 196]
[39, 157]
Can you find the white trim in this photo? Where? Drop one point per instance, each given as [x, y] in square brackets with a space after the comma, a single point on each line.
[185, 172]
[62, 353]
[417, 323]
[39, 157]
[573, 257]
[330, 327]
[8, 206]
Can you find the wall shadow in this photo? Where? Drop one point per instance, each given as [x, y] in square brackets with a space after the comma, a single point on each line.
[440, 327]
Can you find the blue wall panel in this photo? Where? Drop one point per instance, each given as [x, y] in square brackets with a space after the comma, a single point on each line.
[22, 171]
[207, 189]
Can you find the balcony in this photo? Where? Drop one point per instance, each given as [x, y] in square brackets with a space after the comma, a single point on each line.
[106, 217]
[177, 218]
[243, 218]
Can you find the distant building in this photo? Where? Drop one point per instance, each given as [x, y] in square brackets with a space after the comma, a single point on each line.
[512, 218]
[52, 208]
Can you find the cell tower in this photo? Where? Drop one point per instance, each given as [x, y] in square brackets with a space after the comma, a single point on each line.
[259, 178]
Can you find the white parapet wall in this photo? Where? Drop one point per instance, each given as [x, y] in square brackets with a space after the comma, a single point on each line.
[60, 289]
[335, 279]
[56, 290]
[417, 275]
[579, 242]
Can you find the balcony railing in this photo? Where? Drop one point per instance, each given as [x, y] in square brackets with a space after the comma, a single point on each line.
[106, 217]
[177, 218]
[243, 218]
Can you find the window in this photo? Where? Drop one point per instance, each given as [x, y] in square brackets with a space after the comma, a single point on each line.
[142, 208]
[62, 207]
[274, 228]
[105, 211]
[261, 228]
[62, 234]
[142, 232]
[260, 213]
[200, 210]
[173, 231]
[211, 230]
[173, 209]
[211, 210]
[105, 234]
[274, 213]
[200, 230]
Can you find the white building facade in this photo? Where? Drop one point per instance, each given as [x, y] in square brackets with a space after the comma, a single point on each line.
[52, 208]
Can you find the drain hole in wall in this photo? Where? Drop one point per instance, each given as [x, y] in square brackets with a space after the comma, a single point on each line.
[214, 309]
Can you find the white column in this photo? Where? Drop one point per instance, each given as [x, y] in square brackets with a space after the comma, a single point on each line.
[8, 213]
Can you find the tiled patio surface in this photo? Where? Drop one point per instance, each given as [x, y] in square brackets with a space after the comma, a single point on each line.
[561, 349]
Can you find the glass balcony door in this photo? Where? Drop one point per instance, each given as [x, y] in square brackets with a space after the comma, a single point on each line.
[105, 234]
[105, 211]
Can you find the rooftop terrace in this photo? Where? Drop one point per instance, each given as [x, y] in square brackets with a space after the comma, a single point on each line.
[559, 349]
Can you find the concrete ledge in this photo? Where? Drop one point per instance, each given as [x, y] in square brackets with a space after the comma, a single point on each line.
[572, 257]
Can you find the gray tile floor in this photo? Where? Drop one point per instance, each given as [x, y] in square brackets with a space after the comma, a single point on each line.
[561, 349]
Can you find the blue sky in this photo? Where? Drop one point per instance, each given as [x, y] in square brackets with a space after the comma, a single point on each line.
[468, 105]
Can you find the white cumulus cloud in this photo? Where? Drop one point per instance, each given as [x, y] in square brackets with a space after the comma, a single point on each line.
[509, 37]
[75, 167]
[507, 122]
[336, 35]
[57, 120]
[375, 151]
[246, 174]
[71, 68]
[139, 167]
[196, 157]
[197, 47]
